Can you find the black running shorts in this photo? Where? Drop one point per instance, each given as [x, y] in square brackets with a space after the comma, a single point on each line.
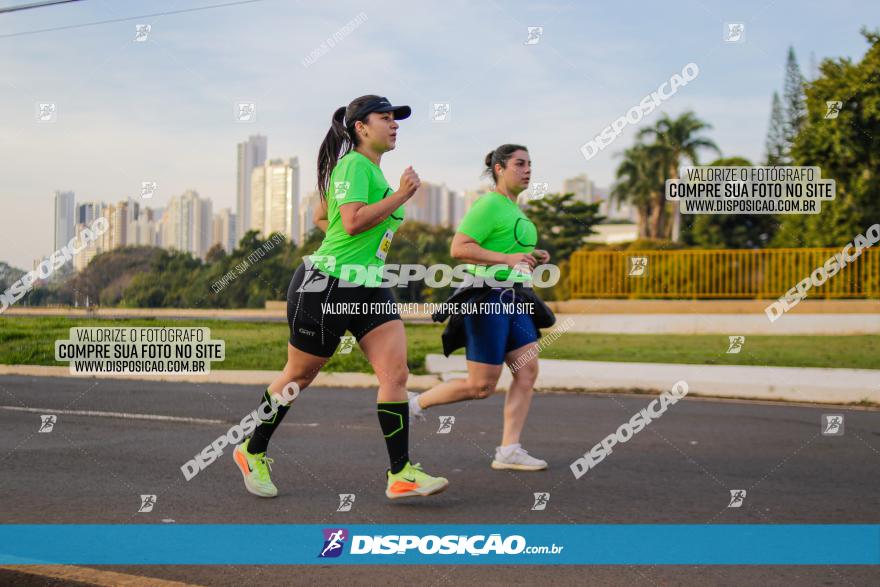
[320, 310]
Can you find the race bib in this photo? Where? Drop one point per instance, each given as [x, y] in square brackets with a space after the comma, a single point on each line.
[385, 244]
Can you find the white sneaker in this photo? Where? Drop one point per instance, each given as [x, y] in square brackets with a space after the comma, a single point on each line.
[519, 459]
[415, 410]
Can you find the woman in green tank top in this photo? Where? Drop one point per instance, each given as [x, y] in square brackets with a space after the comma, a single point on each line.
[359, 213]
[496, 234]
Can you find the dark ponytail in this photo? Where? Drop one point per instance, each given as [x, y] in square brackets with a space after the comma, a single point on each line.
[340, 139]
[335, 143]
[500, 155]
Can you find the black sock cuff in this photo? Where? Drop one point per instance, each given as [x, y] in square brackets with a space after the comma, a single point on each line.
[274, 412]
[393, 417]
[267, 424]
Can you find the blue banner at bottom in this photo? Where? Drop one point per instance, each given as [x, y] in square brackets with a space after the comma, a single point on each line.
[556, 544]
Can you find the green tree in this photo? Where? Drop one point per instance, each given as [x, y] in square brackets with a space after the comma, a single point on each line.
[8, 275]
[640, 182]
[313, 241]
[418, 243]
[729, 231]
[215, 253]
[259, 269]
[683, 141]
[846, 148]
[793, 96]
[563, 223]
[776, 145]
[107, 275]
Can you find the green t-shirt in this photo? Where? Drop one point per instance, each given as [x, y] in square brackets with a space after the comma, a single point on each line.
[498, 224]
[356, 179]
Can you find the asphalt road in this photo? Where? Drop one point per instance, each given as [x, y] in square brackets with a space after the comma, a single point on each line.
[680, 469]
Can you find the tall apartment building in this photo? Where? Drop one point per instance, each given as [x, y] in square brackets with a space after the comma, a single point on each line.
[87, 251]
[436, 205]
[275, 198]
[251, 155]
[582, 188]
[88, 212]
[143, 226]
[188, 224]
[65, 218]
[116, 234]
[225, 230]
[306, 215]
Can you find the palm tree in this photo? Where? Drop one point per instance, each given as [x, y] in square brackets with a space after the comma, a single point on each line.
[681, 138]
[630, 186]
[640, 182]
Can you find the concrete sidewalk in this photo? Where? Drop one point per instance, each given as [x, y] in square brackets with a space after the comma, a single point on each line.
[793, 384]
[724, 324]
[799, 384]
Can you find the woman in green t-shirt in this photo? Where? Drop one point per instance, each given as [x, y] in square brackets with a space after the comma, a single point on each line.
[337, 290]
[499, 240]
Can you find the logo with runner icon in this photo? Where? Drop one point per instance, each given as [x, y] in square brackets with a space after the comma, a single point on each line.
[334, 542]
[314, 279]
[638, 266]
[47, 423]
[446, 423]
[346, 344]
[737, 497]
[832, 424]
[341, 189]
[346, 502]
[834, 107]
[542, 498]
[148, 502]
[735, 344]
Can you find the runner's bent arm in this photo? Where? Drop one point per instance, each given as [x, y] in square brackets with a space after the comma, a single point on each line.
[358, 217]
[465, 248]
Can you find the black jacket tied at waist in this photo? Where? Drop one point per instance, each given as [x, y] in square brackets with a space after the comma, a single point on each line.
[454, 335]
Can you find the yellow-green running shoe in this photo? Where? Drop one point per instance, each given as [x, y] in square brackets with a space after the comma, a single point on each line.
[412, 481]
[255, 470]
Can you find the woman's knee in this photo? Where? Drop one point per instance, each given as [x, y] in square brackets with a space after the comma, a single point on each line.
[481, 388]
[298, 377]
[526, 374]
[395, 375]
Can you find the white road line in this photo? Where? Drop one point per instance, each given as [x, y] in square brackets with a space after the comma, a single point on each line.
[124, 415]
[128, 416]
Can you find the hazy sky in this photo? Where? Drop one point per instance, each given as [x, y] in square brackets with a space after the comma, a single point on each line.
[162, 110]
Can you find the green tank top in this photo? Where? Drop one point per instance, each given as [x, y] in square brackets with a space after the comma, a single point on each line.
[356, 179]
[499, 225]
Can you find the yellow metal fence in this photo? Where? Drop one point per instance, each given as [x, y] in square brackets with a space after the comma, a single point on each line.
[726, 273]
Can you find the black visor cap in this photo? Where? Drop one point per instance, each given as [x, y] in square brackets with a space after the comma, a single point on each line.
[383, 105]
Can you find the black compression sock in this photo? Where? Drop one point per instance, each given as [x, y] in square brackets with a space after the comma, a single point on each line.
[394, 420]
[260, 438]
